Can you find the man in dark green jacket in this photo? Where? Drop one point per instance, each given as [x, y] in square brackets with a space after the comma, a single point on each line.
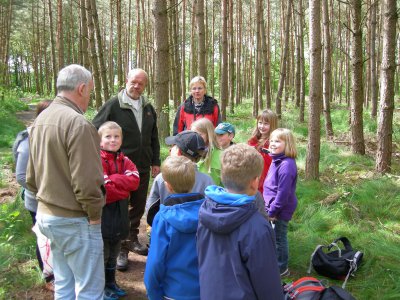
[138, 120]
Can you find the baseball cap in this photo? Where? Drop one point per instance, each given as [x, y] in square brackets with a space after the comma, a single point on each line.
[223, 128]
[188, 141]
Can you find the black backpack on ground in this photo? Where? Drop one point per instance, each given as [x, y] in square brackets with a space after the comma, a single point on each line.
[336, 264]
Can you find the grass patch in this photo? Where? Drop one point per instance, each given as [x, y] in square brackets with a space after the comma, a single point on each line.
[18, 264]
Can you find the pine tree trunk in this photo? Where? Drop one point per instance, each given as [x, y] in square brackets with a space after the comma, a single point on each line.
[53, 51]
[111, 74]
[60, 34]
[212, 46]
[327, 77]
[265, 50]
[121, 77]
[202, 54]
[302, 64]
[258, 71]
[193, 44]
[161, 66]
[93, 55]
[177, 82]
[138, 39]
[373, 76]
[231, 80]
[84, 35]
[183, 52]
[103, 71]
[281, 85]
[388, 67]
[239, 20]
[224, 62]
[357, 133]
[314, 125]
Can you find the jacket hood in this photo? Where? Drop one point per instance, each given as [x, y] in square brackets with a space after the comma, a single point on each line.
[223, 212]
[183, 217]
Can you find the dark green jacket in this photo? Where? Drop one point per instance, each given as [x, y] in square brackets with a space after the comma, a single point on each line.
[143, 148]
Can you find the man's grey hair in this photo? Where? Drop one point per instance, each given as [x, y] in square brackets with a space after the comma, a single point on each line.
[137, 70]
[72, 76]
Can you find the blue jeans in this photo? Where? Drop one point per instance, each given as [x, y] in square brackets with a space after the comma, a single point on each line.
[282, 246]
[77, 249]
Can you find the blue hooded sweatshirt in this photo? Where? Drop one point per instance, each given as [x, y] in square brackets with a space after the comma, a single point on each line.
[172, 267]
[236, 249]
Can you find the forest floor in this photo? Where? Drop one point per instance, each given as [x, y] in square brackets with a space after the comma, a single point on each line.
[130, 280]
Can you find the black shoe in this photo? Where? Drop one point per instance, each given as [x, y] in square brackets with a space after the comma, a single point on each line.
[122, 261]
[137, 247]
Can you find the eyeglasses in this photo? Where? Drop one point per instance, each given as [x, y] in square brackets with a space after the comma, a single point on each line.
[197, 89]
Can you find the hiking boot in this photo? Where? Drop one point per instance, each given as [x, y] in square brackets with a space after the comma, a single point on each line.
[137, 247]
[122, 261]
[109, 295]
[116, 289]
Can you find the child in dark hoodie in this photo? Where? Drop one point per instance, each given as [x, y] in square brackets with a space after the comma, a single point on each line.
[172, 268]
[235, 243]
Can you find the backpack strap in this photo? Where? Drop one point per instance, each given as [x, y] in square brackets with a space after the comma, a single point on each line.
[353, 267]
[311, 258]
[333, 244]
[345, 242]
[316, 289]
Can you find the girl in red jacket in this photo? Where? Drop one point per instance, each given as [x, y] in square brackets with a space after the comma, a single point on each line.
[267, 121]
[120, 178]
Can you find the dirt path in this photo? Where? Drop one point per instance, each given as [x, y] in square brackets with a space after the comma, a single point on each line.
[131, 280]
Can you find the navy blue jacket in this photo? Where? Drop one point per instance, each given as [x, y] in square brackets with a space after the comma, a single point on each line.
[236, 249]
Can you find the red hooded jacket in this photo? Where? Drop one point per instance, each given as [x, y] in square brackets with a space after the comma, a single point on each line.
[120, 176]
[267, 160]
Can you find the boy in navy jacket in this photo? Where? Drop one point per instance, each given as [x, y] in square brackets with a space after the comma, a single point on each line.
[235, 243]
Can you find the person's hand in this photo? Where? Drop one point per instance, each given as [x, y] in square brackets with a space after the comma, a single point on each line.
[94, 222]
[155, 170]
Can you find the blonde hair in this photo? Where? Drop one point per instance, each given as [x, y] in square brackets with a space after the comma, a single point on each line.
[286, 135]
[198, 79]
[240, 164]
[265, 116]
[179, 172]
[109, 125]
[206, 127]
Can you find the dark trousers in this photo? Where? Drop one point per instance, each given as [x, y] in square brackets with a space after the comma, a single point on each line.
[137, 205]
[111, 251]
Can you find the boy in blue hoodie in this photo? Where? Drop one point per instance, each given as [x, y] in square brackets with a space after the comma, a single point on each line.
[235, 243]
[172, 268]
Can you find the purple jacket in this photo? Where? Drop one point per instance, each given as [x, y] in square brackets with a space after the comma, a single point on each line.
[280, 187]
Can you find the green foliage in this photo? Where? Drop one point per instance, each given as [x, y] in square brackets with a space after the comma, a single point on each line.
[90, 113]
[9, 125]
[17, 249]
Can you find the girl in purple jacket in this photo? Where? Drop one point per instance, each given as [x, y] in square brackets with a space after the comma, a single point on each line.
[279, 190]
